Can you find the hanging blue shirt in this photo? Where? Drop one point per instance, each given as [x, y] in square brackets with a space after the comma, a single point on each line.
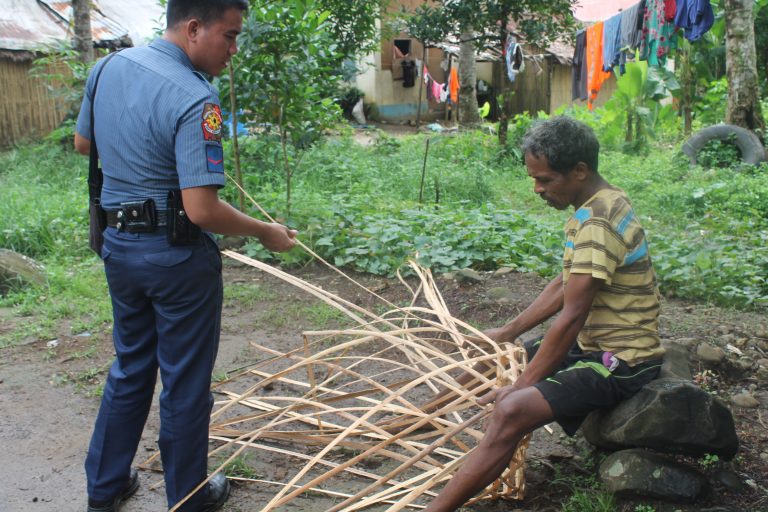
[695, 17]
[157, 123]
[612, 54]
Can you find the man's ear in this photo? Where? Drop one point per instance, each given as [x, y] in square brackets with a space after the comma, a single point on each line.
[582, 171]
[191, 28]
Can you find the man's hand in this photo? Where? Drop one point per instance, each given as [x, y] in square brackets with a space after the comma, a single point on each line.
[500, 335]
[278, 238]
[498, 394]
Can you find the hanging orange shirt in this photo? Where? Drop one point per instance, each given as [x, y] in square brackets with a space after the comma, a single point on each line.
[595, 74]
[453, 86]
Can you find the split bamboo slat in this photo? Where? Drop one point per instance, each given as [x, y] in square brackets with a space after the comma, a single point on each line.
[342, 410]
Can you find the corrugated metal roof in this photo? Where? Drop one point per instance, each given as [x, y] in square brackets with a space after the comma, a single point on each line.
[28, 25]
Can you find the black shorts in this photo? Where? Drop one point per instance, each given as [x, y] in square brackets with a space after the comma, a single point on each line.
[584, 382]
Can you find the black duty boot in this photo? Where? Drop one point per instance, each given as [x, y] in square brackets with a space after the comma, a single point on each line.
[113, 505]
[218, 492]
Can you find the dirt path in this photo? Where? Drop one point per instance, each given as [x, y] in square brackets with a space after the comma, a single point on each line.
[48, 395]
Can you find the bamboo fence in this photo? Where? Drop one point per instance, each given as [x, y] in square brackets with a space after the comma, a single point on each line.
[29, 106]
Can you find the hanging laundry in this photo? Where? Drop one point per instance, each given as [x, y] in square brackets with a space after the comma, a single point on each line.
[514, 57]
[670, 9]
[453, 86]
[612, 54]
[437, 88]
[595, 74]
[444, 94]
[659, 37]
[695, 17]
[579, 69]
[631, 30]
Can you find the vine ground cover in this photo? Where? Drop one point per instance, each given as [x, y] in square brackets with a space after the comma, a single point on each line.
[358, 207]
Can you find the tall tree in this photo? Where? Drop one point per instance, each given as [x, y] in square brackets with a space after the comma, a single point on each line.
[741, 66]
[353, 24]
[83, 41]
[469, 117]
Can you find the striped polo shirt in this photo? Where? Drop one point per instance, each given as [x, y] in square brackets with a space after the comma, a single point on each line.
[605, 239]
[157, 125]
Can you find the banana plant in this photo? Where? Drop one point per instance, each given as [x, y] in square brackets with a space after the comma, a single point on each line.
[636, 107]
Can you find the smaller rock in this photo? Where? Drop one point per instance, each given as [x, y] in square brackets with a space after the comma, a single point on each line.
[745, 400]
[504, 271]
[730, 480]
[648, 474]
[675, 361]
[724, 329]
[448, 276]
[764, 456]
[52, 344]
[763, 363]
[709, 355]
[467, 275]
[17, 270]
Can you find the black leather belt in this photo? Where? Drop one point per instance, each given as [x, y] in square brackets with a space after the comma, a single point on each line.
[115, 219]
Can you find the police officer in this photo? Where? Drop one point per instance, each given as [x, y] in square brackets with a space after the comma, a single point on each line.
[157, 124]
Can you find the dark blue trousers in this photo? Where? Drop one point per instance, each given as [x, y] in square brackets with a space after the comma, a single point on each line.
[167, 315]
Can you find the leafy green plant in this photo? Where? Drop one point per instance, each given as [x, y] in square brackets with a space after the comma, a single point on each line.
[709, 461]
[636, 104]
[285, 67]
[720, 153]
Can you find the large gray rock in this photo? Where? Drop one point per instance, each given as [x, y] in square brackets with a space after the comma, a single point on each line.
[17, 270]
[668, 415]
[650, 475]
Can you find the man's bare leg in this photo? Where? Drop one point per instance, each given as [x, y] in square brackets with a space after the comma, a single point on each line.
[514, 416]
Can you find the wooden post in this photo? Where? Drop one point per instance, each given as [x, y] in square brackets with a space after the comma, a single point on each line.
[233, 110]
[423, 174]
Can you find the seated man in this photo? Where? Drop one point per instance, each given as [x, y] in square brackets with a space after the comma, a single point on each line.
[604, 345]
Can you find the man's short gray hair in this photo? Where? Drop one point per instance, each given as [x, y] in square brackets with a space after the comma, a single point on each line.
[564, 142]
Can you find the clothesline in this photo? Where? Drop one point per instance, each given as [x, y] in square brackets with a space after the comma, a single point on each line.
[650, 27]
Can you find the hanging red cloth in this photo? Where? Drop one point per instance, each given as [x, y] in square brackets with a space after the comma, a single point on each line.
[670, 9]
[595, 74]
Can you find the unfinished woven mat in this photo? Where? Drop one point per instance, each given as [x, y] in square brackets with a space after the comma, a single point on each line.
[342, 409]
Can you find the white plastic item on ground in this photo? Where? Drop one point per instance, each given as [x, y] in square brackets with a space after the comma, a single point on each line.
[357, 112]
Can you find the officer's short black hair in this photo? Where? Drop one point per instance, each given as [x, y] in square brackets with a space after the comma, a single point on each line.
[204, 10]
[564, 142]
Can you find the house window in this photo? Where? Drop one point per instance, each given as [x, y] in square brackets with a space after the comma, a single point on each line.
[402, 48]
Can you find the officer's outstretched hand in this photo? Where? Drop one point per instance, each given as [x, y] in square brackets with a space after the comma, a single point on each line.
[278, 238]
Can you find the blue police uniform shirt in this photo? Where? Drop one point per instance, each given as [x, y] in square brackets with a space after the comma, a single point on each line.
[157, 123]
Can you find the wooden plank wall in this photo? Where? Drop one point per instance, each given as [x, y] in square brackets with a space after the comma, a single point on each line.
[28, 108]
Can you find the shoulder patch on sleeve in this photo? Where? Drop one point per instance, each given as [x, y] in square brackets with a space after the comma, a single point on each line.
[212, 122]
[214, 154]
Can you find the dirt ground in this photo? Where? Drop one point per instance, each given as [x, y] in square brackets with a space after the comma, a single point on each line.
[49, 395]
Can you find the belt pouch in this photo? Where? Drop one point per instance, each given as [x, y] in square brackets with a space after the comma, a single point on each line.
[98, 223]
[139, 216]
[180, 230]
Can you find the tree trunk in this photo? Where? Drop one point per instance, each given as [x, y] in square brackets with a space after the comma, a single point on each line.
[83, 41]
[469, 117]
[741, 66]
[506, 93]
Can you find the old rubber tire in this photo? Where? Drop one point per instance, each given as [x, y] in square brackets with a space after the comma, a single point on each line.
[752, 150]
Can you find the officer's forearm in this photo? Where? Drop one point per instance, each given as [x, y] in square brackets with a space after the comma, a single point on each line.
[206, 210]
